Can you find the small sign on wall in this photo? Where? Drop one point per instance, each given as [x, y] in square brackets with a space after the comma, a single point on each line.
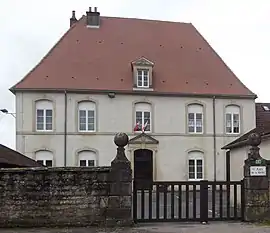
[258, 171]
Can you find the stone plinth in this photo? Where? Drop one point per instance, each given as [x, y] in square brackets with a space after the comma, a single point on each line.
[256, 182]
[119, 210]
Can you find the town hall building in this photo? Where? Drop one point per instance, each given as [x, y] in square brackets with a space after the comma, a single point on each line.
[109, 75]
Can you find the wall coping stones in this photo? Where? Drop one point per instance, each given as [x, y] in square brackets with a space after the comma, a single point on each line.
[58, 169]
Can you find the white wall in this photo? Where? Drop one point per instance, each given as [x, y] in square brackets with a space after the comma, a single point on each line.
[239, 155]
[117, 114]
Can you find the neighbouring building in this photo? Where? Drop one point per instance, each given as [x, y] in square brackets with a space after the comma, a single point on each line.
[12, 159]
[237, 150]
[107, 74]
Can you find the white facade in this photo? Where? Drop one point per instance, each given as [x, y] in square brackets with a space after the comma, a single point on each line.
[183, 127]
[239, 155]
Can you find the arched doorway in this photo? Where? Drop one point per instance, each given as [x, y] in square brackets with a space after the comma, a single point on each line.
[143, 168]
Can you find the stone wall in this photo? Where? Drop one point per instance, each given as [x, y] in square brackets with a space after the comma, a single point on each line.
[53, 196]
[43, 197]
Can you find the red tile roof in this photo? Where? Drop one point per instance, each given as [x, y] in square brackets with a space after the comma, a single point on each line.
[262, 114]
[100, 59]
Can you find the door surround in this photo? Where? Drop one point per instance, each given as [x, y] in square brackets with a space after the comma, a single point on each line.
[143, 141]
[131, 159]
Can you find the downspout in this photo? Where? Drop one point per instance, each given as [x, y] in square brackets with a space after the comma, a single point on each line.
[214, 138]
[22, 125]
[65, 131]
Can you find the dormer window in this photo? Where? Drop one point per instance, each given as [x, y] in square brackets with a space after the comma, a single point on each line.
[142, 74]
[143, 78]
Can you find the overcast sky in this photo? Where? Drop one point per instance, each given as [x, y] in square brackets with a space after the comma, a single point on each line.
[239, 30]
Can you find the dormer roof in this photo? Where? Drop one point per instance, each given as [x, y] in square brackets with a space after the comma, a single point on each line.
[142, 61]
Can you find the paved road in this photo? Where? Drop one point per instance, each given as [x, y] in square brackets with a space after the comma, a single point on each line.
[183, 206]
[209, 228]
[157, 228]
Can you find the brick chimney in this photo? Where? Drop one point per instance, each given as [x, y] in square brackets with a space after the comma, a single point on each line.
[73, 19]
[93, 18]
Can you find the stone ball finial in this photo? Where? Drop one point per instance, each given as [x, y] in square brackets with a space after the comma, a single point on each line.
[121, 139]
[254, 139]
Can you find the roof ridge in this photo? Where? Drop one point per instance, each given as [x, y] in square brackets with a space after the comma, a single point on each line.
[46, 55]
[143, 19]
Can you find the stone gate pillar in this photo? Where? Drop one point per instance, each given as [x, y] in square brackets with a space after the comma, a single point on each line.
[119, 210]
[256, 185]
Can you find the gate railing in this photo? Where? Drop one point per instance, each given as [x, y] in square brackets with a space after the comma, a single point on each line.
[188, 201]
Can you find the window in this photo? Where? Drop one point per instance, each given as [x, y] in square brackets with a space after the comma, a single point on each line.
[195, 118]
[87, 116]
[195, 165]
[142, 78]
[44, 115]
[143, 117]
[45, 158]
[232, 120]
[195, 169]
[142, 74]
[47, 163]
[87, 159]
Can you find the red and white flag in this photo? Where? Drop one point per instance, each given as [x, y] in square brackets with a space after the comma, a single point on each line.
[137, 127]
[144, 126]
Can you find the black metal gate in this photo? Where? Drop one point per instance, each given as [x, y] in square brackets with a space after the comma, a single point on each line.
[201, 201]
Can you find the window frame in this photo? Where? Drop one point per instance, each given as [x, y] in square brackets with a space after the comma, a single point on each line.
[44, 158]
[143, 120]
[142, 78]
[84, 156]
[195, 168]
[86, 110]
[195, 131]
[44, 161]
[195, 114]
[87, 162]
[232, 114]
[44, 116]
